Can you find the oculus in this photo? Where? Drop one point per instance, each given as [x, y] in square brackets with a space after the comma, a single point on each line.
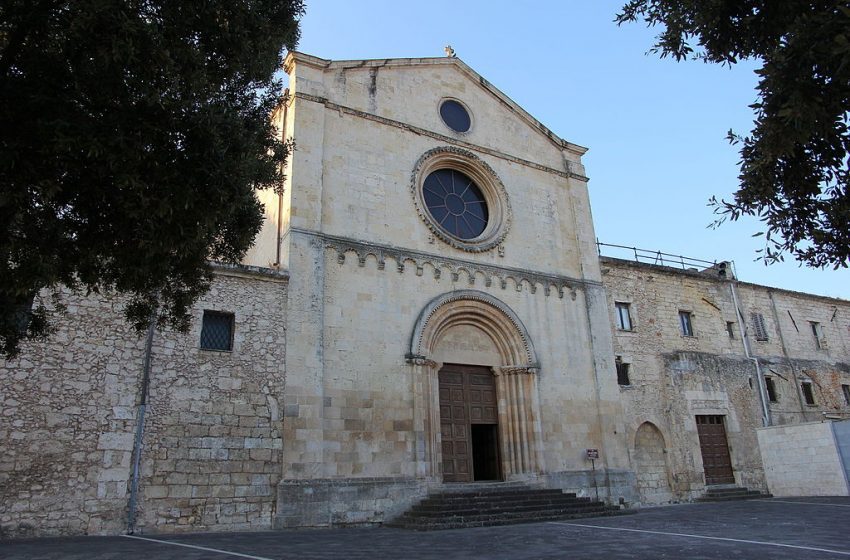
[455, 115]
[461, 199]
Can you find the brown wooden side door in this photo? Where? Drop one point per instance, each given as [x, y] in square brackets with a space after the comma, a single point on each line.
[454, 426]
[715, 450]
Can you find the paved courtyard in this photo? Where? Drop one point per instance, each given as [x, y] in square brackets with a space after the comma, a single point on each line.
[786, 528]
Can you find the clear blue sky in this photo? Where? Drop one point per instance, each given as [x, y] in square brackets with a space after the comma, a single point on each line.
[655, 128]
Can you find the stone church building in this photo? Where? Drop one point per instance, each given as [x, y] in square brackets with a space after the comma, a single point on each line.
[425, 306]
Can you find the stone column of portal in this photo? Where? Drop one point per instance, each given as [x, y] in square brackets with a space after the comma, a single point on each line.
[426, 415]
[518, 419]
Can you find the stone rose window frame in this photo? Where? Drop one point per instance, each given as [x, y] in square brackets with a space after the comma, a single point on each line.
[491, 187]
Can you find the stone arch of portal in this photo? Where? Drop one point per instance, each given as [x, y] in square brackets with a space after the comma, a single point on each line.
[492, 335]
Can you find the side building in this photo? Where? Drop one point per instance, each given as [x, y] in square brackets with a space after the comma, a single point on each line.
[704, 361]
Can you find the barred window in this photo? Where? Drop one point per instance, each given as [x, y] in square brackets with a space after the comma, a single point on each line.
[217, 331]
[759, 330]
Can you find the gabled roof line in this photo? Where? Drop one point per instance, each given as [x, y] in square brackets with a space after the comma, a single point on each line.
[322, 63]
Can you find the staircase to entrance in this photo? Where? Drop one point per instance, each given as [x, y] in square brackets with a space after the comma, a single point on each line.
[730, 492]
[485, 504]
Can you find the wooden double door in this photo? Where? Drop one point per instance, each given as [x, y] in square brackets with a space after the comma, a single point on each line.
[469, 424]
[715, 450]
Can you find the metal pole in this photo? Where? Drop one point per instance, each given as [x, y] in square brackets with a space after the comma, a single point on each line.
[140, 428]
[595, 486]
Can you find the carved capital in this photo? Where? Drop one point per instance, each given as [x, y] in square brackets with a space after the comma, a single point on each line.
[515, 370]
[419, 360]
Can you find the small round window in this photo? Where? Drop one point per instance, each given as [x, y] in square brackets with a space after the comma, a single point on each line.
[456, 203]
[455, 115]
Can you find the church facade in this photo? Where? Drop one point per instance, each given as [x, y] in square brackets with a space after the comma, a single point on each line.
[425, 306]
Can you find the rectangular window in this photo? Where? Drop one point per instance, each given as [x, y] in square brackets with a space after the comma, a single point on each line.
[808, 394]
[817, 332]
[730, 329]
[217, 331]
[846, 390]
[622, 372]
[686, 323]
[759, 330]
[771, 389]
[624, 317]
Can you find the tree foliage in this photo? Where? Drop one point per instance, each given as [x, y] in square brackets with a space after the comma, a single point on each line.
[133, 134]
[794, 164]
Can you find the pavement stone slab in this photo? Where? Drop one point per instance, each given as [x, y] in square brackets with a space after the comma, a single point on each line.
[807, 528]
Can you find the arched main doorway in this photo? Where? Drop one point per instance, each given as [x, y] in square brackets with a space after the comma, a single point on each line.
[475, 391]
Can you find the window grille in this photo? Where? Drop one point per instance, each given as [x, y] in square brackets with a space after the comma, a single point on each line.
[759, 330]
[817, 332]
[217, 331]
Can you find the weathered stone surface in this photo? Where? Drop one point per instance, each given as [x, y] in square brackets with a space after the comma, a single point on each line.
[328, 409]
[675, 377]
[69, 409]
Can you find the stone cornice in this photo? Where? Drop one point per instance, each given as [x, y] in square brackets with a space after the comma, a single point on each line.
[437, 136]
[247, 271]
[403, 256]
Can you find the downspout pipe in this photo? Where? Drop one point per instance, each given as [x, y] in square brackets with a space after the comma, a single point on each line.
[787, 357]
[280, 194]
[765, 419]
[140, 428]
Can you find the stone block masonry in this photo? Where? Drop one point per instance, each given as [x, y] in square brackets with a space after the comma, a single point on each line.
[211, 455]
[802, 460]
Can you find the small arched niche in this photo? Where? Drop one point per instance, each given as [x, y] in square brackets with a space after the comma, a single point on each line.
[653, 474]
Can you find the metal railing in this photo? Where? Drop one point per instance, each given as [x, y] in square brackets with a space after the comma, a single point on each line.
[657, 257]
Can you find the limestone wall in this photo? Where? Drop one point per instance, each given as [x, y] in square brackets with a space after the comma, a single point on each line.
[802, 460]
[212, 444]
[365, 264]
[351, 174]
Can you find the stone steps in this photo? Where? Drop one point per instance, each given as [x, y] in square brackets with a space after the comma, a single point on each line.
[730, 494]
[475, 507]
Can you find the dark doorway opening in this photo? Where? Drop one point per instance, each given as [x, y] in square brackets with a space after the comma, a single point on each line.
[485, 451]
